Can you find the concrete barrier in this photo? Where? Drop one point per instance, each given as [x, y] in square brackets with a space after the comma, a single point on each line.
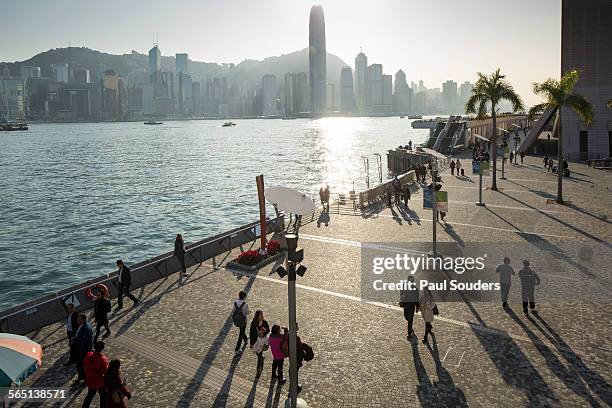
[50, 308]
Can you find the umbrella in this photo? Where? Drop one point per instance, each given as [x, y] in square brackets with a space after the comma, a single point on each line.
[19, 357]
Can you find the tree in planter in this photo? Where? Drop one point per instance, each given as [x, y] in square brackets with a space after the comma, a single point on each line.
[488, 92]
[560, 93]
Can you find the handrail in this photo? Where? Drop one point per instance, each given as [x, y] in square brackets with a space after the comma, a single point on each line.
[24, 307]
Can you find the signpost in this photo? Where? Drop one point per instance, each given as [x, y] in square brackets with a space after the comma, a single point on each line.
[434, 156]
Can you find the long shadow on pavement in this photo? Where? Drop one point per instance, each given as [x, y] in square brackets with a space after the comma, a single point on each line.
[449, 394]
[599, 385]
[570, 380]
[425, 390]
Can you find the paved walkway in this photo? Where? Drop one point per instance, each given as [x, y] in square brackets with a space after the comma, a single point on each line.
[177, 345]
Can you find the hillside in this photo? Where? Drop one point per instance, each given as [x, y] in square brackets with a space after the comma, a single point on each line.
[246, 71]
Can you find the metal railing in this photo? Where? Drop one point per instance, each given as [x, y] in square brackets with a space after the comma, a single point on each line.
[50, 308]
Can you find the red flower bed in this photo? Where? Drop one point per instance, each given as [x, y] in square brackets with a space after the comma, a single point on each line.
[273, 247]
[249, 258]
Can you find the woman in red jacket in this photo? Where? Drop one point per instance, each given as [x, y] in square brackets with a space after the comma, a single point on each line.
[95, 365]
[116, 391]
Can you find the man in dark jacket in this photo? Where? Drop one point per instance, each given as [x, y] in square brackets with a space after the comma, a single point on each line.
[82, 344]
[101, 308]
[179, 252]
[124, 281]
[409, 301]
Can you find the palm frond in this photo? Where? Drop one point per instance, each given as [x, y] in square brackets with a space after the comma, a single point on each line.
[581, 106]
[536, 110]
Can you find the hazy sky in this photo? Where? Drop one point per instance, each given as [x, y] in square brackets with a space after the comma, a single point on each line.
[433, 40]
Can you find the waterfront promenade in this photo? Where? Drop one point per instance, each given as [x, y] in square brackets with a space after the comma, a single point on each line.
[177, 346]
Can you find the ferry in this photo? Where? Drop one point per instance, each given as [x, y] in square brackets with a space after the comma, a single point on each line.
[13, 126]
[152, 122]
[228, 124]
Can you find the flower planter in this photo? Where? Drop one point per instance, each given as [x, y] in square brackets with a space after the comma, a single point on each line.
[250, 268]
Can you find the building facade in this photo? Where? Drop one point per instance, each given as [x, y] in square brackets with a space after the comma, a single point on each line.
[347, 98]
[361, 66]
[586, 45]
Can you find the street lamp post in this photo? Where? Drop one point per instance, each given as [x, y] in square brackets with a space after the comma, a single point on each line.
[434, 206]
[379, 165]
[480, 203]
[294, 257]
[366, 163]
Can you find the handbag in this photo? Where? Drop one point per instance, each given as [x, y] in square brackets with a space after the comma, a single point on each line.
[435, 310]
[116, 397]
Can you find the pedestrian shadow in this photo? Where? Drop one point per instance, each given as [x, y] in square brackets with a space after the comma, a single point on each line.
[191, 389]
[252, 393]
[396, 217]
[405, 215]
[449, 394]
[513, 365]
[569, 379]
[425, 390]
[453, 234]
[273, 398]
[595, 381]
[223, 394]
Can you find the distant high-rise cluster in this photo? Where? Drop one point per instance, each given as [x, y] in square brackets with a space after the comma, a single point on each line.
[69, 91]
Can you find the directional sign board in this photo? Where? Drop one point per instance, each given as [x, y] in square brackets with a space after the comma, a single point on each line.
[441, 200]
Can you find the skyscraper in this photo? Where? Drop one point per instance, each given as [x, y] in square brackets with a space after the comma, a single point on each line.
[586, 35]
[296, 93]
[403, 94]
[154, 60]
[374, 88]
[361, 65]
[317, 61]
[449, 96]
[269, 88]
[182, 63]
[347, 99]
[465, 91]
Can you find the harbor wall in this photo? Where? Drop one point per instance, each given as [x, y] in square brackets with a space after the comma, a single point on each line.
[50, 308]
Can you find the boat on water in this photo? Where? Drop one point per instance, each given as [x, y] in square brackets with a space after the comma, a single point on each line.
[13, 126]
[415, 117]
[228, 124]
[152, 122]
[402, 117]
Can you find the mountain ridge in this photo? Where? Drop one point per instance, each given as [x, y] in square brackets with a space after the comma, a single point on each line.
[247, 71]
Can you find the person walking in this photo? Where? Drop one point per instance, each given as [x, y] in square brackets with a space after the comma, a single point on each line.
[95, 365]
[551, 163]
[101, 306]
[327, 194]
[82, 345]
[240, 312]
[407, 194]
[278, 357]
[258, 324]
[124, 281]
[179, 252]
[459, 168]
[114, 386]
[511, 157]
[529, 279]
[428, 310]
[505, 279]
[71, 328]
[522, 157]
[397, 188]
[410, 303]
[452, 167]
[261, 344]
[389, 198]
[322, 197]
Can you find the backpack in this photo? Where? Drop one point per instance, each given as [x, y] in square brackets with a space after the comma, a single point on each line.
[285, 345]
[308, 352]
[238, 316]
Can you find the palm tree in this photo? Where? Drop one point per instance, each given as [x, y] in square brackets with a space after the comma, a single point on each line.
[488, 92]
[558, 94]
[610, 104]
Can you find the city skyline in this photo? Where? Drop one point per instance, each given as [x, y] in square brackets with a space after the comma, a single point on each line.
[396, 34]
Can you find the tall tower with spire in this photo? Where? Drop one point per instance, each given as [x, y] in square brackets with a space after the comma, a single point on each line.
[317, 57]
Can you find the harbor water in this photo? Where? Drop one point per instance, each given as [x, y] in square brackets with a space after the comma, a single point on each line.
[76, 197]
